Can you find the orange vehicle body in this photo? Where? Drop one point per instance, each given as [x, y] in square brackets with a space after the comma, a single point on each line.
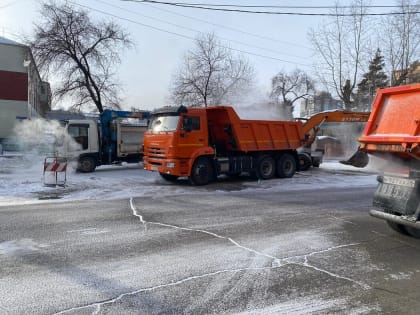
[394, 124]
[204, 142]
[221, 131]
[392, 133]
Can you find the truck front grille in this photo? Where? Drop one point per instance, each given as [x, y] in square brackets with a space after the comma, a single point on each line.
[156, 153]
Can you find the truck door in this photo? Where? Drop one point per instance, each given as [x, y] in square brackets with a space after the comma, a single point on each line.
[193, 135]
[80, 133]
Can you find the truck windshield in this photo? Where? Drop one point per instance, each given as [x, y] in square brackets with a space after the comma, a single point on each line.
[163, 123]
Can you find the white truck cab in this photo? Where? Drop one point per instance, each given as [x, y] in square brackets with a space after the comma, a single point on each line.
[84, 133]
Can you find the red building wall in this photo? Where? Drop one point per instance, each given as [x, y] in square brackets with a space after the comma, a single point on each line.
[13, 86]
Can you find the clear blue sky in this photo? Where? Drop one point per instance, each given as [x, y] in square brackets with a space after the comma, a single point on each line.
[162, 36]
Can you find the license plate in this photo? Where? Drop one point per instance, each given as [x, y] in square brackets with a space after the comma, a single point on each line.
[154, 168]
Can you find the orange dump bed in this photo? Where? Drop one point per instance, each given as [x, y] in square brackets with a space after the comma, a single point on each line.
[394, 124]
[252, 135]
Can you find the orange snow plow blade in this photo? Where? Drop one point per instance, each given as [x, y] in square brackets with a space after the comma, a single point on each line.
[359, 159]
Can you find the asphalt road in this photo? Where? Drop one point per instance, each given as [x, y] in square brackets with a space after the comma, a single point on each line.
[297, 252]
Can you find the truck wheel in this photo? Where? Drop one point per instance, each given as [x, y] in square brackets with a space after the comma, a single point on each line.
[397, 227]
[286, 166]
[305, 162]
[86, 165]
[413, 231]
[266, 167]
[168, 177]
[202, 172]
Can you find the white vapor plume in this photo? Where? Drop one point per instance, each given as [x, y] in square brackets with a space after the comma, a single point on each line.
[44, 136]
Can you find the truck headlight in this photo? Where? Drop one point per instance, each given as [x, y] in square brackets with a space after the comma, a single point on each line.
[170, 165]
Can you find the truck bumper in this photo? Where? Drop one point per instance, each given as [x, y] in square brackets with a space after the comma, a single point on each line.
[404, 220]
[397, 200]
[177, 167]
[397, 195]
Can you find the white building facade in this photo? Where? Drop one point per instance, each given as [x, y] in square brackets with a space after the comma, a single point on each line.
[23, 95]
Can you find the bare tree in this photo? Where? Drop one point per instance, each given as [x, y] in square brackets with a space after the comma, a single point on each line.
[402, 40]
[210, 74]
[288, 88]
[80, 54]
[341, 45]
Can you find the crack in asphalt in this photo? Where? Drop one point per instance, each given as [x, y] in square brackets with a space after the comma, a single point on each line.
[133, 208]
[389, 291]
[97, 305]
[393, 237]
[306, 263]
[277, 263]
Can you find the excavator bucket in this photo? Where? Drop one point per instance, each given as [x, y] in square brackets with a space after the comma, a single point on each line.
[359, 159]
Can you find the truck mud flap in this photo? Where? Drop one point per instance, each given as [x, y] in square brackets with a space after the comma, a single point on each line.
[406, 221]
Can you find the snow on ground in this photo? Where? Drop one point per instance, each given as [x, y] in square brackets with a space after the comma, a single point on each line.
[22, 181]
[314, 305]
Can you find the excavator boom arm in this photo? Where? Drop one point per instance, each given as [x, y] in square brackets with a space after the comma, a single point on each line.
[312, 124]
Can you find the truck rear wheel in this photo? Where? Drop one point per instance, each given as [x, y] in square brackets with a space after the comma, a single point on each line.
[266, 167]
[86, 165]
[305, 162]
[286, 166]
[168, 177]
[202, 172]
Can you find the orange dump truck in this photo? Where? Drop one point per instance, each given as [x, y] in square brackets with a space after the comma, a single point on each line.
[393, 133]
[203, 142]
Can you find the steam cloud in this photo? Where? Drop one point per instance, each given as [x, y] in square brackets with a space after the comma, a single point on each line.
[44, 136]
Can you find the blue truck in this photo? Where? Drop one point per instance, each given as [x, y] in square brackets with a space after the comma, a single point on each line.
[116, 137]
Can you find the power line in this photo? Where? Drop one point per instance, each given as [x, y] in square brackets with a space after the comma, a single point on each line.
[183, 36]
[230, 28]
[5, 5]
[194, 30]
[279, 6]
[201, 7]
